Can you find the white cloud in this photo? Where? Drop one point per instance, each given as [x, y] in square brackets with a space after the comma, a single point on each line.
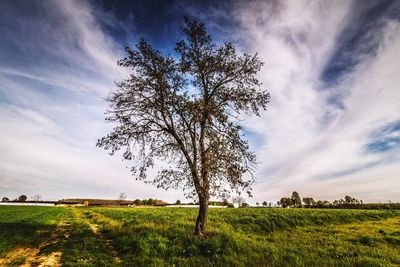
[305, 135]
[52, 112]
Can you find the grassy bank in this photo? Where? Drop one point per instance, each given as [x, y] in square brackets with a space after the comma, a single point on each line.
[237, 237]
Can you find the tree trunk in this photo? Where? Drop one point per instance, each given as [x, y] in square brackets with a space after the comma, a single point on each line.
[201, 220]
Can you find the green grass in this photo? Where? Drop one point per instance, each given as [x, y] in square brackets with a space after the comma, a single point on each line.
[252, 237]
[82, 247]
[236, 237]
[26, 226]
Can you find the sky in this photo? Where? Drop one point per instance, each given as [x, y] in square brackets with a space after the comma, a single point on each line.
[332, 68]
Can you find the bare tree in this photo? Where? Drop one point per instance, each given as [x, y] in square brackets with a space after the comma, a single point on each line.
[239, 200]
[37, 198]
[185, 111]
[121, 197]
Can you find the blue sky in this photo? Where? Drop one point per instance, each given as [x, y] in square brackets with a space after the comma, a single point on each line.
[332, 68]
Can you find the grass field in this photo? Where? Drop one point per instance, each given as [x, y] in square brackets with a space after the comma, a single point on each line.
[54, 236]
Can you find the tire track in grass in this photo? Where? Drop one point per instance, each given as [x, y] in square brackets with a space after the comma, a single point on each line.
[31, 257]
[97, 232]
[42, 258]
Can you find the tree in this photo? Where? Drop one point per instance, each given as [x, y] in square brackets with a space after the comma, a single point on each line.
[296, 200]
[339, 202]
[178, 202]
[239, 200]
[121, 197]
[258, 204]
[22, 198]
[286, 202]
[5, 199]
[37, 198]
[351, 200]
[244, 205]
[309, 201]
[148, 202]
[137, 202]
[185, 111]
[323, 203]
[264, 203]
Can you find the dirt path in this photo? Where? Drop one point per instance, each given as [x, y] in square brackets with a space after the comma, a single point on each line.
[29, 257]
[73, 229]
[18, 256]
[43, 259]
[106, 241]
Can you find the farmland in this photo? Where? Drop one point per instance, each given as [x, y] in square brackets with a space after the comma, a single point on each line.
[89, 236]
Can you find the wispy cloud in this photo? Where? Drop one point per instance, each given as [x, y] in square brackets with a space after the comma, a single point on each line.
[51, 103]
[312, 129]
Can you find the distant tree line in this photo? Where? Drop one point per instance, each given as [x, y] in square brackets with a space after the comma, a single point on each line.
[23, 198]
[112, 202]
[223, 203]
[295, 201]
[149, 202]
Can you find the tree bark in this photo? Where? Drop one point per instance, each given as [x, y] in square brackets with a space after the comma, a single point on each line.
[200, 229]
